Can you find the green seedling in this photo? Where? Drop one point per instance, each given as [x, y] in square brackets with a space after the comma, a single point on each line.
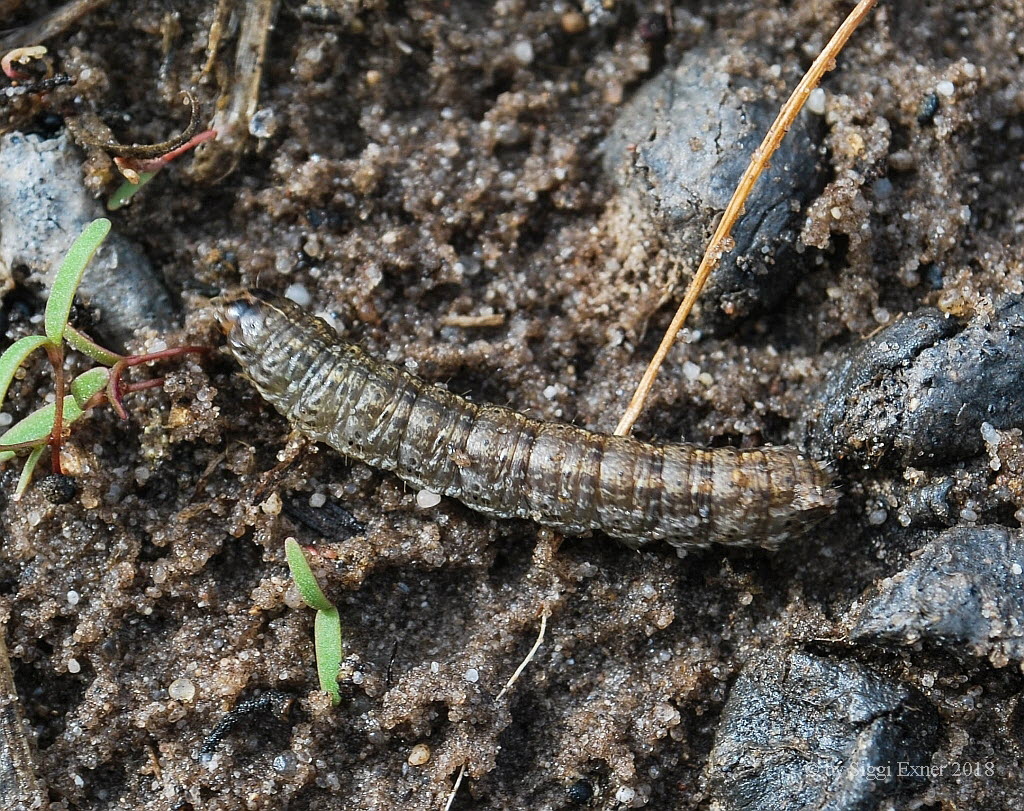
[140, 163]
[326, 624]
[139, 172]
[45, 426]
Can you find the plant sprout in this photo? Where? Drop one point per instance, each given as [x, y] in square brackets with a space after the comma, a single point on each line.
[45, 426]
[326, 624]
[139, 173]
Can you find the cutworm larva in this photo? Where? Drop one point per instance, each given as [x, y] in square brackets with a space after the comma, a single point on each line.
[502, 463]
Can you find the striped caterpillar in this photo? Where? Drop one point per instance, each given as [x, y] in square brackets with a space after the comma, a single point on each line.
[505, 464]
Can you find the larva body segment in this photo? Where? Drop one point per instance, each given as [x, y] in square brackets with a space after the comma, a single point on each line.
[505, 464]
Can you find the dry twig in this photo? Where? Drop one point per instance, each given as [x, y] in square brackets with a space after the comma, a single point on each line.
[52, 24]
[721, 241]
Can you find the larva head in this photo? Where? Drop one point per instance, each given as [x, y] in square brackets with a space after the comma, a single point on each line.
[270, 336]
[249, 318]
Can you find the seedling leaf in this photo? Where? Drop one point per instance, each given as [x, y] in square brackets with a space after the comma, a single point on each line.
[14, 357]
[126, 191]
[304, 578]
[30, 466]
[89, 383]
[26, 472]
[327, 641]
[84, 344]
[36, 427]
[65, 284]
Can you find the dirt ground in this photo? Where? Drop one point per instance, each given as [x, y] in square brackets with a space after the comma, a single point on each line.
[413, 162]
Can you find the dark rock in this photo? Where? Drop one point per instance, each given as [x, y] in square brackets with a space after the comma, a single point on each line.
[57, 488]
[921, 389]
[43, 207]
[580, 793]
[963, 591]
[677, 151]
[801, 731]
[331, 521]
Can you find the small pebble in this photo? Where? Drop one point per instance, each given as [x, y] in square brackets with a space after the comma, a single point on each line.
[574, 23]
[181, 690]
[299, 294]
[285, 763]
[419, 755]
[945, 88]
[989, 433]
[426, 499]
[816, 101]
[272, 506]
[523, 52]
[74, 666]
[667, 714]
[580, 792]
[472, 675]
[73, 597]
[263, 123]
[625, 795]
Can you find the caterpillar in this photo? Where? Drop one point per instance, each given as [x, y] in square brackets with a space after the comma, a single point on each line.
[502, 463]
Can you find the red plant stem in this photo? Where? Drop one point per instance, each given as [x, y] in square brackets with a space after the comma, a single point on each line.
[156, 164]
[56, 355]
[115, 391]
[192, 143]
[114, 388]
[99, 398]
[155, 383]
[173, 352]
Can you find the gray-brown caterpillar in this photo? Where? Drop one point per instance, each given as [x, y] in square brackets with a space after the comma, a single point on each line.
[502, 463]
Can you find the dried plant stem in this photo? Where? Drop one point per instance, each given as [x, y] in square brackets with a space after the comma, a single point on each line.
[237, 103]
[529, 657]
[455, 788]
[758, 162]
[19, 787]
[50, 25]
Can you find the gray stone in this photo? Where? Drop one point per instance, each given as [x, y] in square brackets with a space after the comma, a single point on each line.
[803, 731]
[964, 591]
[677, 151]
[919, 390]
[43, 207]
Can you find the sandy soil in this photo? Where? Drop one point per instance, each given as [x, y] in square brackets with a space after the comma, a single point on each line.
[424, 160]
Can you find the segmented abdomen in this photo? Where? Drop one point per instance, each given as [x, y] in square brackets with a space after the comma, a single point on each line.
[505, 464]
